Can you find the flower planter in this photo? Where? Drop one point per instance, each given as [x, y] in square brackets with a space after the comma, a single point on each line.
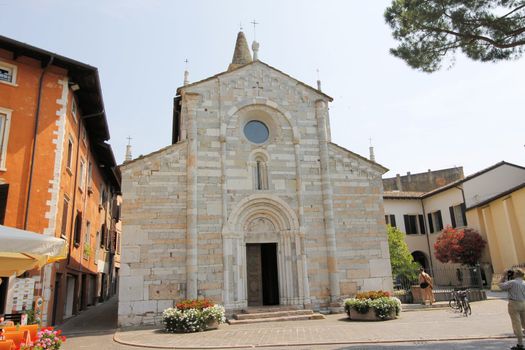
[372, 306]
[370, 315]
[212, 324]
[193, 316]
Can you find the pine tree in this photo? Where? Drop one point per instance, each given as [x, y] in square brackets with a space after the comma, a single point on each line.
[430, 31]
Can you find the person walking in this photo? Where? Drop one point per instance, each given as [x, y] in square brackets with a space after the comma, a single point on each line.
[512, 282]
[425, 283]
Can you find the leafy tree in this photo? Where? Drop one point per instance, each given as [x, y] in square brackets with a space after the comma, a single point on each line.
[429, 31]
[459, 246]
[402, 262]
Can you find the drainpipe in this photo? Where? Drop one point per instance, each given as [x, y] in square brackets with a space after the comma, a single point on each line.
[35, 136]
[427, 234]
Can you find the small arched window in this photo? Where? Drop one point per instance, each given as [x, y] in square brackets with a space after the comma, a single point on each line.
[260, 172]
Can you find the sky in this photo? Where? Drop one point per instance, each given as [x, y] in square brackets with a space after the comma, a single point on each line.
[469, 115]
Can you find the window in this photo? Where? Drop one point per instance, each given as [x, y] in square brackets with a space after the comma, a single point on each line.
[5, 122]
[8, 73]
[87, 237]
[390, 220]
[457, 215]
[83, 134]
[256, 131]
[103, 235]
[82, 173]
[4, 190]
[78, 228]
[435, 221]
[260, 175]
[102, 196]
[65, 210]
[259, 166]
[414, 224]
[117, 243]
[69, 153]
[89, 175]
[74, 108]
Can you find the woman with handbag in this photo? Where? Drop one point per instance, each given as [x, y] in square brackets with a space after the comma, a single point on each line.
[425, 283]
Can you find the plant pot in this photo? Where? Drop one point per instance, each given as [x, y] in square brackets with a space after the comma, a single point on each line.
[370, 315]
[212, 324]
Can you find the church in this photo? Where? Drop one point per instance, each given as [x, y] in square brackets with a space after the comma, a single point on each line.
[252, 204]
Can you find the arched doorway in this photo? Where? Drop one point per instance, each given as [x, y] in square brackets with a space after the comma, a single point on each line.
[421, 258]
[264, 258]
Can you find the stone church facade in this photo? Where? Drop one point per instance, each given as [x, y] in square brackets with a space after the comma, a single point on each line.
[252, 204]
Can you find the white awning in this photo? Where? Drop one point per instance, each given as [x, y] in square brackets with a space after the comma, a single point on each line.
[22, 250]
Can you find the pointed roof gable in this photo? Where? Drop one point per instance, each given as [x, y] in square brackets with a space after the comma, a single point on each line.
[248, 64]
[241, 54]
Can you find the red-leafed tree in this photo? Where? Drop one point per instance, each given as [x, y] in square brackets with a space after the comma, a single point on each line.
[459, 246]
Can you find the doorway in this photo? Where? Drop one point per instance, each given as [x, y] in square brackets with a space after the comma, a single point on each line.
[70, 295]
[262, 276]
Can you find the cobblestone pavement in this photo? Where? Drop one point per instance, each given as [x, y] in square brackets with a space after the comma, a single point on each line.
[488, 328]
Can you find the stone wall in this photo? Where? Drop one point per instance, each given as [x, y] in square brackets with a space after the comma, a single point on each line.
[423, 182]
[152, 273]
[362, 242]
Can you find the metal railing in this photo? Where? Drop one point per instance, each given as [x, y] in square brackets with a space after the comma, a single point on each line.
[447, 279]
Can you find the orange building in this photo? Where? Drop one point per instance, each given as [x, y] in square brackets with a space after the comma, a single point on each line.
[58, 176]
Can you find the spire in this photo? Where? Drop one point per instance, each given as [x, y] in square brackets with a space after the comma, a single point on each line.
[186, 73]
[242, 54]
[128, 151]
[255, 49]
[255, 44]
[371, 149]
[318, 81]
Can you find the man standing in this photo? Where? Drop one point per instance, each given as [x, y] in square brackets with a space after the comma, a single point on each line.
[515, 288]
[425, 283]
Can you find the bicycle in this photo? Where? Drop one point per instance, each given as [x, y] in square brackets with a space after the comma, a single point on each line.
[455, 302]
[465, 304]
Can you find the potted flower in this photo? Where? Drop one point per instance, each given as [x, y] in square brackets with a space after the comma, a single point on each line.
[193, 316]
[47, 338]
[373, 306]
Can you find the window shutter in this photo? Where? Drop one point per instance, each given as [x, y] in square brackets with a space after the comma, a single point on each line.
[421, 224]
[464, 213]
[4, 189]
[452, 217]
[393, 220]
[407, 224]
[430, 224]
[386, 219]
[440, 219]
[78, 227]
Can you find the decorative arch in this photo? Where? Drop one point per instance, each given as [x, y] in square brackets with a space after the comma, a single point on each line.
[264, 218]
[264, 103]
[266, 205]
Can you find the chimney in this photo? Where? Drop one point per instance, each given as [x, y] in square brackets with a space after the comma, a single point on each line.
[398, 183]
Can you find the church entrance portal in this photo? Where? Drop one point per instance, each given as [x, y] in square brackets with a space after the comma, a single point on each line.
[262, 278]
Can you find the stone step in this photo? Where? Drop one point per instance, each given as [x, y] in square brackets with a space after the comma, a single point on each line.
[278, 319]
[264, 309]
[272, 314]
